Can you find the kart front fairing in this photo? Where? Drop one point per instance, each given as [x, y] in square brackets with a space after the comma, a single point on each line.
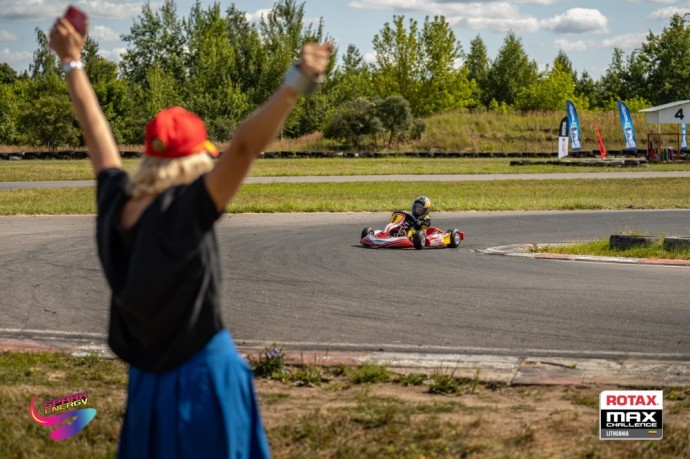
[398, 234]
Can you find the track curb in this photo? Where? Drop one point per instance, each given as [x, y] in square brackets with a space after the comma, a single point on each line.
[522, 250]
[510, 370]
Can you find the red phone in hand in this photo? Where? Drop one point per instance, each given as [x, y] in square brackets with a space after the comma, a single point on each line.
[77, 18]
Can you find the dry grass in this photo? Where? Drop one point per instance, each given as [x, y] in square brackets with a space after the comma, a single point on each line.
[337, 417]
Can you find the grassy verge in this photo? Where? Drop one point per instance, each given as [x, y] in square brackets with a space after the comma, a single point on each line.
[661, 193]
[365, 411]
[601, 248]
[21, 171]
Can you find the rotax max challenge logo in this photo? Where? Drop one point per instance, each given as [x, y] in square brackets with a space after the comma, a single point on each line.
[60, 411]
[631, 415]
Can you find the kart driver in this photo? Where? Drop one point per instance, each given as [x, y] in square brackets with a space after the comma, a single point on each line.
[419, 216]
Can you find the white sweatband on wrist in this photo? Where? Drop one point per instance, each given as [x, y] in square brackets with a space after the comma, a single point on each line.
[72, 65]
[295, 79]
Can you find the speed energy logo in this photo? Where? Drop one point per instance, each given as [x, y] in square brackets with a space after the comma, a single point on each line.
[61, 411]
[631, 415]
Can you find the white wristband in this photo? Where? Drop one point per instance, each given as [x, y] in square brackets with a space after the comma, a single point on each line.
[72, 65]
[301, 83]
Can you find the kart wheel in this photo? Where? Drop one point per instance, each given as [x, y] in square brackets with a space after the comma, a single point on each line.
[454, 238]
[419, 240]
[366, 231]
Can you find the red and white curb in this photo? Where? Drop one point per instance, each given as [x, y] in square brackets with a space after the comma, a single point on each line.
[541, 368]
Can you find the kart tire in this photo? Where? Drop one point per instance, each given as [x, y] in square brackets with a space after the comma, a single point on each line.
[367, 231]
[455, 238]
[419, 240]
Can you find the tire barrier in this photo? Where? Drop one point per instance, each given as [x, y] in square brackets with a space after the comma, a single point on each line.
[676, 244]
[618, 162]
[631, 159]
[625, 242]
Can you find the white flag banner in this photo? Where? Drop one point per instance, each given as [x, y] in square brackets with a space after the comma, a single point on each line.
[562, 147]
[563, 138]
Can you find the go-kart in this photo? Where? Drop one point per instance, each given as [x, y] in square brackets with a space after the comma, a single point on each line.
[396, 235]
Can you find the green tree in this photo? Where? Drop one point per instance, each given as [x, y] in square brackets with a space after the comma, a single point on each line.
[155, 40]
[98, 68]
[160, 92]
[613, 79]
[283, 34]
[354, 123]
[563, 61]
[588, 89]
[48, 121]
[45, 61]
[478, 66]
[444, 84]
[249, 54]
[550, 92]
[510, 72]
[396, 117]
[7, 73]
[665, 59]
[211, 92]
[112, 93]
[399, 63]
[351, 80]
[8, 114]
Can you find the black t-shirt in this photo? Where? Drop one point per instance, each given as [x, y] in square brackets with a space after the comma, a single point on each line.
[164, 273]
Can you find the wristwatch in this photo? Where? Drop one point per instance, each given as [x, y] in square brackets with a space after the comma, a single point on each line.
[71, 65]
[301, 83]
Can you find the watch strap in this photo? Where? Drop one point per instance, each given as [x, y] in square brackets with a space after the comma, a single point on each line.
[297, 80]
[67, 67]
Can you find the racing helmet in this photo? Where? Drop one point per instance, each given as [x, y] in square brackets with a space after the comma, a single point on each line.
[421, 207]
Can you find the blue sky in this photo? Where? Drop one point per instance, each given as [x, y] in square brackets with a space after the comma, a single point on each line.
[587, 31]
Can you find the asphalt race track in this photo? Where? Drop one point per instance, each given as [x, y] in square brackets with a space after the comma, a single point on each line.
[303, 280]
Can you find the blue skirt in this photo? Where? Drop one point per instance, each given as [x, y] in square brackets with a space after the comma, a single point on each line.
[205, 408]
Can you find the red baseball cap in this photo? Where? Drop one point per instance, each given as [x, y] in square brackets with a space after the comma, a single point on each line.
[176, 132]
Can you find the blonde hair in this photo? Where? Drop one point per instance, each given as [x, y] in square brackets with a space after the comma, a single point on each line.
[154, 175]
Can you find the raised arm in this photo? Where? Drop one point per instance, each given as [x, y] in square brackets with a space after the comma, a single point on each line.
[257, 131]
[68, 43]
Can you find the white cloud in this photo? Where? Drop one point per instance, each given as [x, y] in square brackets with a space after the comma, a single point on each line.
[476, 9]
[369, 57]
[7, 36]
[13, 57]
[104, 34]
[256, 17]
[30, 10]
[41, 10]
[664, 14]
[574, 45]
[493, 16]
[111, 10]
[577, 20]
[495, 24]
[626, 42]
[654, 1]
[113, 55]
[537, 2]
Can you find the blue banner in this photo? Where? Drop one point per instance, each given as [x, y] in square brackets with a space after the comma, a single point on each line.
[574, 125]
[627, 125]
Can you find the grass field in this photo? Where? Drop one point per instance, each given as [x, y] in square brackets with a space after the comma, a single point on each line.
[20, 171]
[601, 248]
[358, 412]
[657, 193]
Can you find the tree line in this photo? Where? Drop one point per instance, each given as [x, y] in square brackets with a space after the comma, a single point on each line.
[221, 66]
